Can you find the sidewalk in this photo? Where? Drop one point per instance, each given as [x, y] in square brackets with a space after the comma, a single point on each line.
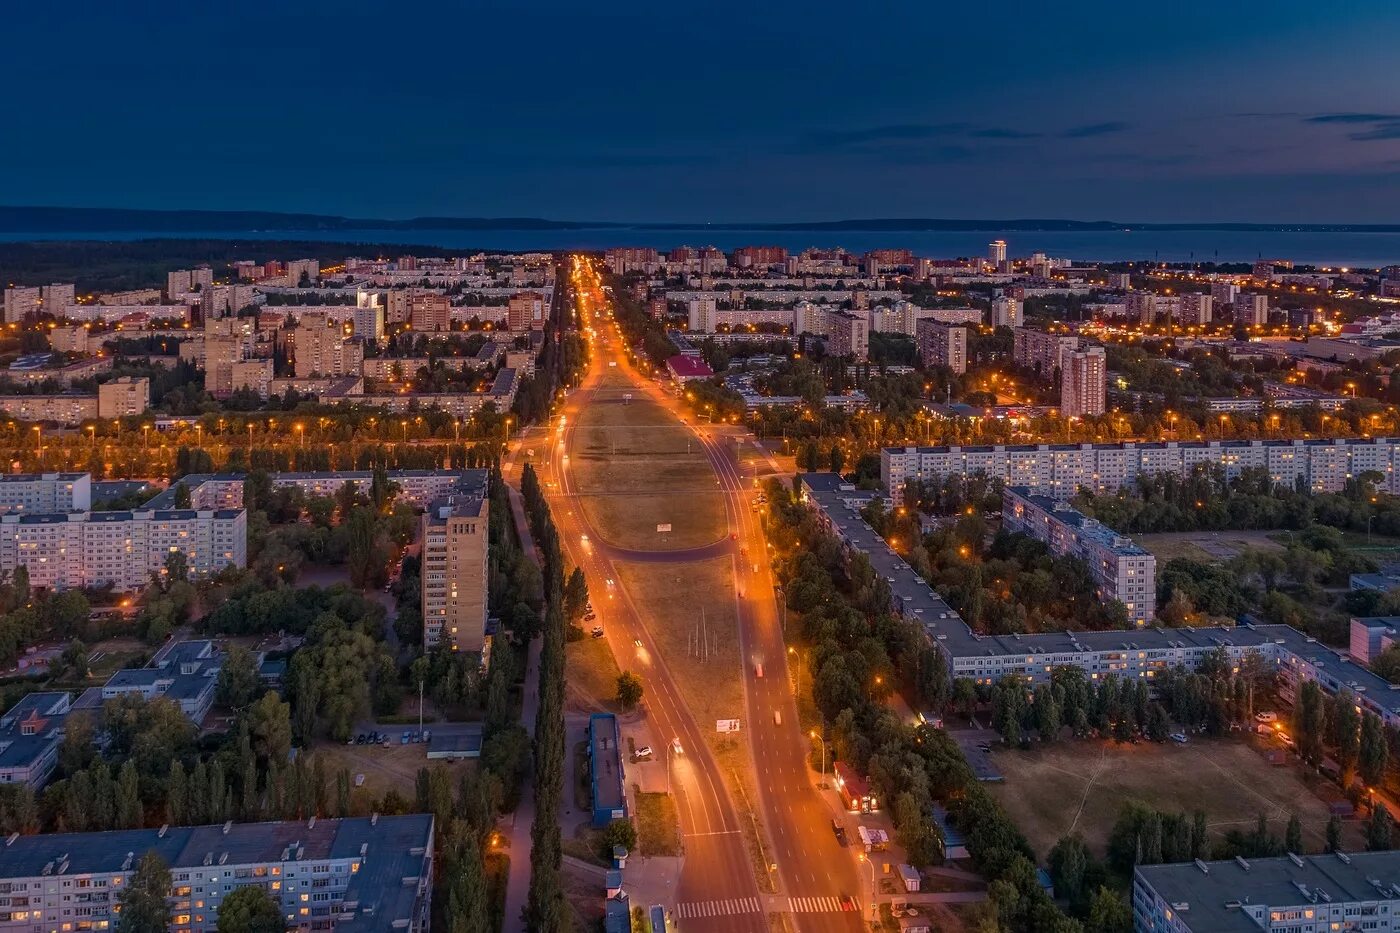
[523, 819]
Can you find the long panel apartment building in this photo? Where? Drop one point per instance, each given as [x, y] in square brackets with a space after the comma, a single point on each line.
[1059, 470]
[61, 550]
[418, 487]
[1130, 655]
[45, 492]
[1294, 892]
[349, 875]
[1121, 569]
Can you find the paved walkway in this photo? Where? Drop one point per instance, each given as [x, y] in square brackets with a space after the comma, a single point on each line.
[523, 819]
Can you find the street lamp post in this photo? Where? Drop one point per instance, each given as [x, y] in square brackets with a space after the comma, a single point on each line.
[874, 909]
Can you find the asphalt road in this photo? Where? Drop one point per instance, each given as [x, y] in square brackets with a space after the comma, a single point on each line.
[717, 889]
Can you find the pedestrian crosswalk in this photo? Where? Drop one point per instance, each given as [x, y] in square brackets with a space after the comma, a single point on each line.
[730, 907]
[817, 905]
[753, 905]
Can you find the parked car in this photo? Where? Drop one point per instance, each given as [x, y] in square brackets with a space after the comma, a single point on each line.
[840, 832]
[643, 752]
[404, 740]
[1179, 738]
[1266, 717]
[597, 631]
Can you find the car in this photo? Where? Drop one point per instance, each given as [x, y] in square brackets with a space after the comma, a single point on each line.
[777, 718]
[359, 780]
[583, 539]
[840, 832]
[733, 536]
[643, 752]
[676, 745]
[1179, 738]
[406, 737]
[848, 903]
[984, 747]
[1266, 717]
[590, 615]
[757, 670]
[427, 734]
[597, 631]
[637, 642]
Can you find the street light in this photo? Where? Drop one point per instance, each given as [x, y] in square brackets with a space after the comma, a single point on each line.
[874, 910]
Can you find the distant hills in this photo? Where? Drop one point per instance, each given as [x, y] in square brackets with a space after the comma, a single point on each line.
[58, 220]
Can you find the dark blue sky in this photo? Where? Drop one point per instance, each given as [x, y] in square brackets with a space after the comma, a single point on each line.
[1235, 110]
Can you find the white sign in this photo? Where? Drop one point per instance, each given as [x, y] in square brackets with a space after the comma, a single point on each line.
[726, 725]
[662, 529]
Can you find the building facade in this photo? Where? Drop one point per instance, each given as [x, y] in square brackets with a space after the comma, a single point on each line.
[942, 345]
[454, 534]
[1083, 383]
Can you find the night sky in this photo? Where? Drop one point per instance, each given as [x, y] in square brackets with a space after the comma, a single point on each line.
[1181, 111]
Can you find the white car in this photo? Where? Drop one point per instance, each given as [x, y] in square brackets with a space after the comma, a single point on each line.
[1179, 738]
[676, 745]
[644, 752]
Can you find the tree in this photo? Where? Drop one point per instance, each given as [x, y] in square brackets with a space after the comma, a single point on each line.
[629, 690]
[1158, 724]
[1293, 837]
[1069, 860]
[1378, 829]
[1372, 752]
[250, 909]
[362, 550]
[618, 833]
[177, 567]
[73, 663]
[129, 812]
[575, 596]
[143, 905]
[238, 678]
[1334, 834]
[1108, 913]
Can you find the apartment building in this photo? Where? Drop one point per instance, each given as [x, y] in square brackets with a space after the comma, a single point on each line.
[1142, 306]
[59, 409]
[1121, 569]
[848, 335]
[220, 354]
[123, 396]
[352, 875]
[299, 270]
[1197, 309]
[526, 312]
[20, 302]
[1251, 310]
[57, 298]
[1042, 352]
[417, 487]
[1059, 470]
[75, 549]
[1139, 654]
[256, 375]
[368, 322]
[45, 492]
[323, 349]
[942, 345]
[1224, 293]
[1083, 385]
[701, 314]
[72, 339]
[1006, 312]
[454, 534]
[1293, 892]
[430, 312]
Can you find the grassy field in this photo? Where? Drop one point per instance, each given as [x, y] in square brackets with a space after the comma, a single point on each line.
[701, 648]
[1082, 786]
[393, 767]
[658, 827]
[639, 451]
[1207, 546]
[592, 675]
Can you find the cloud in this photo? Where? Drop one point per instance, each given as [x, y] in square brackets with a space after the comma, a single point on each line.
[1352, 118]
[1095, 129]
[1369, 126]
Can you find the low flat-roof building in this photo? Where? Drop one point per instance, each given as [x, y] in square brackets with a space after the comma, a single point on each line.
[605, 769]
[186, 673]
[350, 875]
[30, 734]
[1300, 894]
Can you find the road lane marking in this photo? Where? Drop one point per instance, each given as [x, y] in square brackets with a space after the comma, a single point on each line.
[730, 907]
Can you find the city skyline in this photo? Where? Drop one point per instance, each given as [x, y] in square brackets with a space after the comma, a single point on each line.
[1090, 112]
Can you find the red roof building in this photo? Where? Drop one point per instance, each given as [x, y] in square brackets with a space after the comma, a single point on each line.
[686, 368]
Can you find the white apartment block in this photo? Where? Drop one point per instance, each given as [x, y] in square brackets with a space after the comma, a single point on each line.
[1252, 310]
[45, 492]
[454, 535]
[350, 875]
[1142, 306]
[57, 298]
[1197, 309]
[702, 317]
[1224, 293]
[20, 302]
[78, 549]
[1059, 470]
[417, 487]
[1006, 312]
[1121, 569]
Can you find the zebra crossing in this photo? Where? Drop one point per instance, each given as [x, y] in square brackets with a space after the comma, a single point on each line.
[817, 905]
[753, 905]
[730, 907]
